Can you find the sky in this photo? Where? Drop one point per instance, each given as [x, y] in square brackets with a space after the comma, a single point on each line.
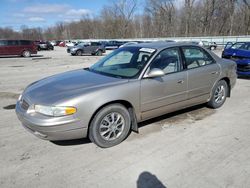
[45, 13]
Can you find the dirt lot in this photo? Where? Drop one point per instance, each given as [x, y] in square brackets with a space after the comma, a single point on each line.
[197, 147]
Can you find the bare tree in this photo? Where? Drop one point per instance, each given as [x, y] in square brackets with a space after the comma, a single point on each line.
[159, 18]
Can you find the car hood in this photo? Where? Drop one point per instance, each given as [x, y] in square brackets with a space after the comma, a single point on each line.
[237, 53]
[66, 85]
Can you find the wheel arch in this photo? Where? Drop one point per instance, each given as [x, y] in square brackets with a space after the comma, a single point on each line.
[126, 104]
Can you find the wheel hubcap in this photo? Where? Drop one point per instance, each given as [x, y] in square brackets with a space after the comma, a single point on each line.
[220, 94]
[112, 126]
[26, 53]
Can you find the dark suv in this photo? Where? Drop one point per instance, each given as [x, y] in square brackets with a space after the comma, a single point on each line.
[17, 47]
[93, 48]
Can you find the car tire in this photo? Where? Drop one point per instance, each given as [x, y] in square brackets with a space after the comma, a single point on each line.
[110, 126]
[26, 53]
[98, 53]
[78, 52]
[219, 94]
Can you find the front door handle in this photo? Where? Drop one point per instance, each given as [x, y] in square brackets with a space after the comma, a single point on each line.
[216, 72]
[180, 81]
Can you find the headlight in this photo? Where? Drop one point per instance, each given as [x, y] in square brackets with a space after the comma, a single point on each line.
[54, 110]
[20, 97]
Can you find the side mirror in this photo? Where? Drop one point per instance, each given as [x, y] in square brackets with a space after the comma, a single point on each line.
[155, 73]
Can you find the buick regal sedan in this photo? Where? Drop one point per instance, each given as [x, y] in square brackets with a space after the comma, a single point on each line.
[106, 101]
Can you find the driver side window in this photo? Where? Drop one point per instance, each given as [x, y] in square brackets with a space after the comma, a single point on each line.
[167, 60]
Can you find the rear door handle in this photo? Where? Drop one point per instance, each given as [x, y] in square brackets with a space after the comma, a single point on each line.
[180, 81]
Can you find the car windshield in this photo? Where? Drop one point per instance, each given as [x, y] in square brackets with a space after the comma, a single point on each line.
[240, 45]
[124, 63]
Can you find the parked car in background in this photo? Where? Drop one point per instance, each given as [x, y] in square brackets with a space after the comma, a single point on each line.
[53, 42]
[111, 45]
[70, 44]
[44, 45]
[240, 53]
[131, 84]
[17, 47]
[212, 45]
[93, 48]
[206, 44]
[62, 44]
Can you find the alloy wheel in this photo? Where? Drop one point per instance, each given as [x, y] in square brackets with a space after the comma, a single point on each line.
[112, 126]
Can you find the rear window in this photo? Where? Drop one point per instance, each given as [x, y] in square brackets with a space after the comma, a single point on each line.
[25, 42]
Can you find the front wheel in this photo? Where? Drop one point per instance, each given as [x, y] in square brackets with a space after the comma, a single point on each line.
[110, 126]
[219, 94]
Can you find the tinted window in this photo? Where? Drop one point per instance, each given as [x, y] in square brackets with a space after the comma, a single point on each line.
[12, 42]
[196, 57]
[168, 60]
[95, 44]
[25, 42]
[3, 42]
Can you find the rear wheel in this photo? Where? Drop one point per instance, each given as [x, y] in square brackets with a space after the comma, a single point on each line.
[78, 52]
[110, 126]
[98, 53]
[26, 53]
[219, 94]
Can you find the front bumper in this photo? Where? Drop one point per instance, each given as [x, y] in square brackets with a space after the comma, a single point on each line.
[243, 67]
[243, 73]
[51, 128]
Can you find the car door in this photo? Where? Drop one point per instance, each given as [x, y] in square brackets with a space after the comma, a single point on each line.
[12, 47]
[161, 94]
[94, 47]
[202, 70]
[87, 48]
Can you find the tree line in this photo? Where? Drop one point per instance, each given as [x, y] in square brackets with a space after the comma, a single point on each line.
[153, 18]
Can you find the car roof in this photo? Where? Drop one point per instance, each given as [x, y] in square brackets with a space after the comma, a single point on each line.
[242, 42]
[162, 45]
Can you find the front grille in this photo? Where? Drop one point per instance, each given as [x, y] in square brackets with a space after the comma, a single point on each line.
[24, 105]
[243, 68]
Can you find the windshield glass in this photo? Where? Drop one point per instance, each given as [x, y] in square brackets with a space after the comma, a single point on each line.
[240, 45]
[124, 63]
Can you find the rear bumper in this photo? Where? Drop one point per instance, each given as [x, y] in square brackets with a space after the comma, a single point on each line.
[65, 128]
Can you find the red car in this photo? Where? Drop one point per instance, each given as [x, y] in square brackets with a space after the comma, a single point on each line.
[18, 47]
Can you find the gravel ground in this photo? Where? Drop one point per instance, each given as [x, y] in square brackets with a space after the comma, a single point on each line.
[196, 147]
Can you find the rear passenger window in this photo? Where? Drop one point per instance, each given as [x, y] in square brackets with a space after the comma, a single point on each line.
[25, 42]
[196, 57]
